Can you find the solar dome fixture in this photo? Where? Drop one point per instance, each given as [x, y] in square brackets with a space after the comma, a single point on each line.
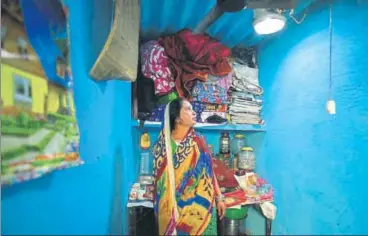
[230, 6]
[268, 22]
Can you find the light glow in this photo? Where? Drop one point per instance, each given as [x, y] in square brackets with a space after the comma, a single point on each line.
[269, 23]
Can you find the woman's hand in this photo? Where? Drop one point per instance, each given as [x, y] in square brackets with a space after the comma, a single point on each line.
[221, 209]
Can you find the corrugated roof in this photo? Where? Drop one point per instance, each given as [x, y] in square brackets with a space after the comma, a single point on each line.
[161, 17]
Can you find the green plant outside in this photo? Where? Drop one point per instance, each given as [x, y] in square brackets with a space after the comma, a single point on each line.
[15, 152]
[18, 131]
[57, 116]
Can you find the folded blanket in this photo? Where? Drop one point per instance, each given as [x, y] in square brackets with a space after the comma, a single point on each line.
[209, 93]
[246, 79]
[194, 56]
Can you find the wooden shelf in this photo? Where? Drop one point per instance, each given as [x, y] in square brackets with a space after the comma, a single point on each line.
[203, 126]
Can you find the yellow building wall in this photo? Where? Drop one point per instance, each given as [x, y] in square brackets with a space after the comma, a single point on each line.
[54, 99]
[38, 84]
[7, 86]
[71, 102]
[53, 103]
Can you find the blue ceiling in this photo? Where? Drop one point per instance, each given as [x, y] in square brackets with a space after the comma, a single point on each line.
[44, 24]
[160, 17]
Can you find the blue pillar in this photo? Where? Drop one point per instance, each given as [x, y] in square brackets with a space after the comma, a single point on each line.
[90, 23]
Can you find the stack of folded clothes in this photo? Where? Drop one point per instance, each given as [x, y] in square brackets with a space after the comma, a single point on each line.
[245, 105]
[212, 96]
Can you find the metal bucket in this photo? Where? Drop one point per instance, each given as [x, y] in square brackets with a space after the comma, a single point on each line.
[231, 227]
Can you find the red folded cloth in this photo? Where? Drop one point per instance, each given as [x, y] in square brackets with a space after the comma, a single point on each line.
[194, 56]
[224, 175]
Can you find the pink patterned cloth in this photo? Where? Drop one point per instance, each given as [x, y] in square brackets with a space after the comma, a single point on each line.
[222, 81]
[155, 66]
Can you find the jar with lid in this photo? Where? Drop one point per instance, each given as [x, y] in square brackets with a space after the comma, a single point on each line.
[225, 143]
[237, 143]
[246, 159]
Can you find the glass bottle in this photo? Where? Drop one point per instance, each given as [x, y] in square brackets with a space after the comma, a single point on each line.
[225, 143]
[237, 143]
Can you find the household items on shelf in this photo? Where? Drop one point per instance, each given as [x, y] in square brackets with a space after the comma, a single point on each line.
[224, 175]
[254, 190]
[178, 60]
[194, 57]
[234, 222]
[144, 100]
[244, 56]
[141, 195]
[225, 143]
[245, 79]
[145, 155]
[237, 143]
[246, 159]
[235, 153]
[203, 71]
[21, 171]
[155, 65]
[205, 112]
[214, 91]
[245, 105]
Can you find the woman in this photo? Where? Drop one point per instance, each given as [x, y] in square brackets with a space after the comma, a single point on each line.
[186, 190]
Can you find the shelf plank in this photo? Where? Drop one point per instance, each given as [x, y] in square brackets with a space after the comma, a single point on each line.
[203, 126]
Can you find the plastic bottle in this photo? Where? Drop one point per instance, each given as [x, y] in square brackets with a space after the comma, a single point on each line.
[145, 155]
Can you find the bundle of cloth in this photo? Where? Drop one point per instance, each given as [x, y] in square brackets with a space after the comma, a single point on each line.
[205, 112]
[193, 66]
[213, 95]
[245, 105]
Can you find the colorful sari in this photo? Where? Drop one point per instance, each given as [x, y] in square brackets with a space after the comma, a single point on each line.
[185, 194]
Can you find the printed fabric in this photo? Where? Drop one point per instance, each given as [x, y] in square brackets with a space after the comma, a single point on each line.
[155, 66]
[194, 187]
[222, 81]
[209, 93]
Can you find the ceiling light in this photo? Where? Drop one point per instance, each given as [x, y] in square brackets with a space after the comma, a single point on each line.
[266, 22]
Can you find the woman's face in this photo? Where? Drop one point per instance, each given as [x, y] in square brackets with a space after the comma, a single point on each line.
[187, 115]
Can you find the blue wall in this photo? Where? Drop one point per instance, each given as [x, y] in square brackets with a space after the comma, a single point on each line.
[317, 162]
[82, 200]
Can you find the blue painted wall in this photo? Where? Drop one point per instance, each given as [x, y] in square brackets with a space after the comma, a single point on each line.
[317, 162]
[82, 200]
[318, 171]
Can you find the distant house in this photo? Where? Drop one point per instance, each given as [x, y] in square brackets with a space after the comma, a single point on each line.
[21, 90]
[24, 85]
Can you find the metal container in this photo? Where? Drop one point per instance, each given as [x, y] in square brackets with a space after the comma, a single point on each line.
[231, 227]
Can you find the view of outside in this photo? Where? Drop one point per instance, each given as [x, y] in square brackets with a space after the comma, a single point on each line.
[39, 132]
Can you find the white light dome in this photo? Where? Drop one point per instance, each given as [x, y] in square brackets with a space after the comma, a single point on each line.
[267, 22]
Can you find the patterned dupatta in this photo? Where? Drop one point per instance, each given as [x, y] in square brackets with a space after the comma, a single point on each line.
[184, 196]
